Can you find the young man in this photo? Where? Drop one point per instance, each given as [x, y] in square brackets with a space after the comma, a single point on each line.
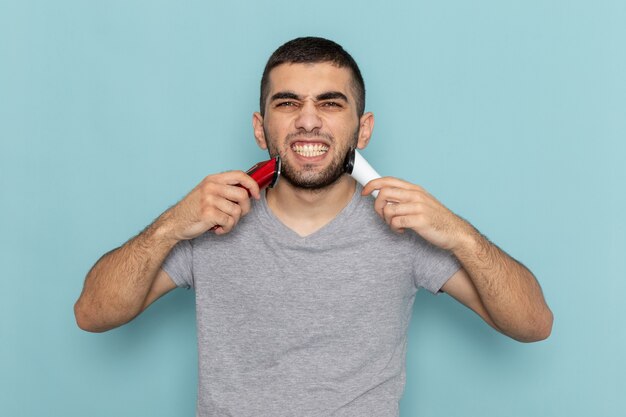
[304, 293]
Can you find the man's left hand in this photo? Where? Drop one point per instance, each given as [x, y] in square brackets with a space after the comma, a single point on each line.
[408, 206]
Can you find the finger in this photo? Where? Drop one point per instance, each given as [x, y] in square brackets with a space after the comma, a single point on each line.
[394, 196]
[380, 183]
[252, 186]
[401, 194]
[400, 223]
[212, 190]
[237, 195]
[404, 209]
[244, 180]
[218, 210]
[217, 218]
[226, 214]
[231, 208]
[226, 222]
[372, 185]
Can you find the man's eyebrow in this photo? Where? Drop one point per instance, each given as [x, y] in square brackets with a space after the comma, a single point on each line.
[284, 95]
[332, 95]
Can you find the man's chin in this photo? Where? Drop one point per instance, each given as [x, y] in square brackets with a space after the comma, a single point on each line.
[316, 183]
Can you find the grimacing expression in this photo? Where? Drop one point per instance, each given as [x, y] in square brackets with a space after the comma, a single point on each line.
[307, 177]
[311, 122]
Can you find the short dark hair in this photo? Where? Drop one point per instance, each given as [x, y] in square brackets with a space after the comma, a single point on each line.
[314, 50]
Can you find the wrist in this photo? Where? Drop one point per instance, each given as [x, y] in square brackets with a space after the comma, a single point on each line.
[470, 241]
[162, 233]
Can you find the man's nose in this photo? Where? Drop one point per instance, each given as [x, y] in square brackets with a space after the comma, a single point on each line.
[308, 119]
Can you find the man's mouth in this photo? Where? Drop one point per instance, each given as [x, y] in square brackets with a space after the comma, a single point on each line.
[309, 150]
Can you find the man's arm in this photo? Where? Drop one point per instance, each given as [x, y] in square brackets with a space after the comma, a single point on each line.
[126, 280]
[508, 291]
[493, 284]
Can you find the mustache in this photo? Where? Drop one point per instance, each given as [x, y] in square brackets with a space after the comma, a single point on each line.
[310, 135]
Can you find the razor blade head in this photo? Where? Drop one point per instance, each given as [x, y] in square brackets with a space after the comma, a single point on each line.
[266, 173]
[348, 163]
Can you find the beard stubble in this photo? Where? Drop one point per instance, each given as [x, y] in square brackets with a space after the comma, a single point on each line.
[306, 178]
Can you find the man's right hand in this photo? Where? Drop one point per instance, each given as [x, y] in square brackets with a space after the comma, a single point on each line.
[126, 280]
[217, 202]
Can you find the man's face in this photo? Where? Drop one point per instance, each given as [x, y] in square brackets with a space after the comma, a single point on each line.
[311, 122]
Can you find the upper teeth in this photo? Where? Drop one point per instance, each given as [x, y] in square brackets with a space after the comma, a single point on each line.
[310, 150]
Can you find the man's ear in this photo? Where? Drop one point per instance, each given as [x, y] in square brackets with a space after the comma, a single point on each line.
[366, 126]
[259, 133]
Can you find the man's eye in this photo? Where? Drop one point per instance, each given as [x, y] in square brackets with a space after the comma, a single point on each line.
[331, 104]
[286, 104]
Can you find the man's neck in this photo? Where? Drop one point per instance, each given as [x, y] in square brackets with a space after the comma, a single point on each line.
[306, 211]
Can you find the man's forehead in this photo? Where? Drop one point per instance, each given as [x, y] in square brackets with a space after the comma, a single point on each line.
[309, 78]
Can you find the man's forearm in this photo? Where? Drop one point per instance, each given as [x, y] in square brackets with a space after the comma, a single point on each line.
[509, 291]
[117, 285]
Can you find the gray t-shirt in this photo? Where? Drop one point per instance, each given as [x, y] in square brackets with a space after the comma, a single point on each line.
[305, 326]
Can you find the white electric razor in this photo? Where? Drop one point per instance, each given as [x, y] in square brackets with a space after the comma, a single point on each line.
[360, 169]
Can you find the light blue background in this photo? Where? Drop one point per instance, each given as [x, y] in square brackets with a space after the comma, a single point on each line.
[513, 113]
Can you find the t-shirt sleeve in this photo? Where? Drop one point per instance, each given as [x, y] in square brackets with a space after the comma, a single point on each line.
[178, 264]
[433, 266]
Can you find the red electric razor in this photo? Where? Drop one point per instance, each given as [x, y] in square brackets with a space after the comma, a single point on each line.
[265, 174]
